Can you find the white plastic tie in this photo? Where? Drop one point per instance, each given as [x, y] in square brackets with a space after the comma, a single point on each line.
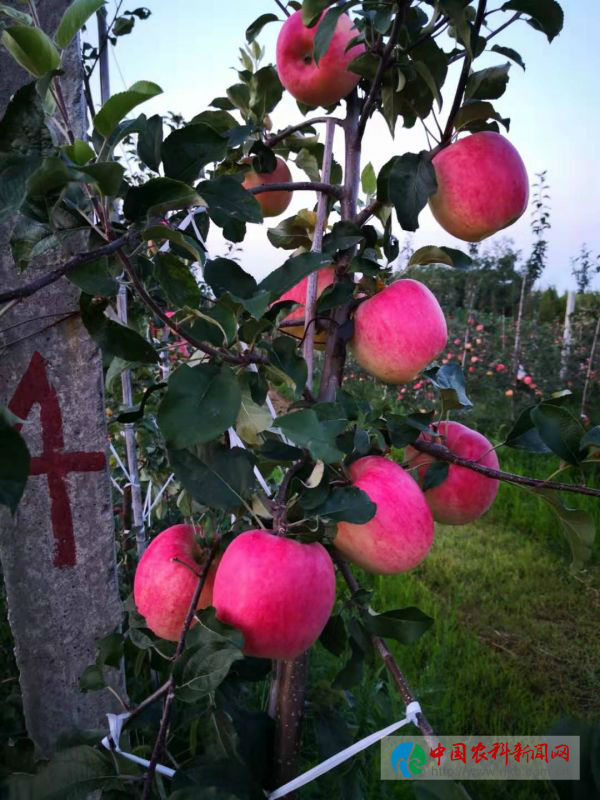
[115, 726]
[412, 710]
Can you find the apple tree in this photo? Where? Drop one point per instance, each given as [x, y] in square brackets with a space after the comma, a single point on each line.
[268, 507]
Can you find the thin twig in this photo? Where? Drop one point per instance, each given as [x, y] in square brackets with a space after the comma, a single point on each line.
[443, 454]
[388, 659]
[68, 266]
[299, 186]
[385, 57]
[249, 357]
[464, 77]
[170, 689]
[367, 212]
[271, 141]
[283, 8]
[502, 27]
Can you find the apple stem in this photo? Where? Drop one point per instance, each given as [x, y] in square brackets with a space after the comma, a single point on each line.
[278, 137]
[169, 688]
[388, 659]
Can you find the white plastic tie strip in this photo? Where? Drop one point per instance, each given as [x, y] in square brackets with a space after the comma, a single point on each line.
[116, 722]
[412, 709]
[115, 726]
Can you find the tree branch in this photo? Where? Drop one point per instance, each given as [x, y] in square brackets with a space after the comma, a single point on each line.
[442, 453]
[388, 659]
[367, 212]
[514, 18]
[249, 357]
[271, 141]
[385, 57]
[170, 689]
[299, 186]
[464, 77]
[68, 266]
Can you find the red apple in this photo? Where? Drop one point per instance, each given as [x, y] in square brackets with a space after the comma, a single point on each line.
[482, 186]
[398, 331]
[271, 203]
[325, 277]
[163, 588]
[278, 592]
[464, 495]
[321, 84]
[400, 534]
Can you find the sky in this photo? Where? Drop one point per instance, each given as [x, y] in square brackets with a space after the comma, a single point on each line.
[190, 48]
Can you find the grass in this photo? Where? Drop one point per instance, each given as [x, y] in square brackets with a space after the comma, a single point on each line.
[514, 646]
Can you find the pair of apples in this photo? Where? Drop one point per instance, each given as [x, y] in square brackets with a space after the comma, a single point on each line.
[279, 592]
[482, 182]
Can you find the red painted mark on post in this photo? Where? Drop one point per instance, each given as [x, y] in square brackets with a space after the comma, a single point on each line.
[53, 462]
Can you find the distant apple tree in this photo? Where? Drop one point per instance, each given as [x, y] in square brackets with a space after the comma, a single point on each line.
[210, 346]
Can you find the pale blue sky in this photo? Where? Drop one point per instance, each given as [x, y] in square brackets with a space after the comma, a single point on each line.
[189, 48]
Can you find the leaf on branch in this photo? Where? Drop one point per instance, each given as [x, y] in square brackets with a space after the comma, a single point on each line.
[447, 256]
[406, 430]
[578, 527]
[222, 481]
[347, 504]
[225, 275]
[476, 111]
[306, 430]
[120, 104]
[186, 151]
[544, 15]
[253, 30]
[74, 18]
[435, 475]
[326, 29]
[312, 10]
[487, 84]
[406, 625]
[292, 272]
[285, 358]
[293, 232]
[559, 430]
[509, 53]
[31, 48]
[150, 141]
[157, 196]
[201, 403]
[112, 338]
[228, 202]
[14, 462]
[406, 182]
[449, 379]
[177, 281]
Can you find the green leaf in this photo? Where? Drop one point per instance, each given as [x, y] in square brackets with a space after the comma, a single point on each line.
[30, 239]
[79, 152]
[509, 53]
[435, 475]
[222, 481]
[545, 15]
[253, 420]
[347, 504]
[108, 176]
[95, 278]
[253, 30]
[15, 172]
[591, 438]
[157, 196]
[159, 233]
[440, 255]
[149, 144]
[92, 679]
[186, 151]
[406, 430]
[449, 379]
[137, 412]
[335, 295]
[559, 430]
[487, 84]
[305, 429]
[177, 282]
[409, 181]
[334, 636]
[351, 673]
[343, 235]
[225, 275]
[119, 105]
[200, 404]
[292, 272]
[32, 49]
[74, 18]
[368, 179]
[406, 625]
[13, 13]
[14, 462]
[70, 774]
[112, 338]
[290, 234]
[326, 30]
[285, 358]
[227, 200]
[312, 9]
[578, 526]
[476, 111]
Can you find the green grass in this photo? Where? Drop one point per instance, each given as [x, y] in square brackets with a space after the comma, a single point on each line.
[514, 646]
